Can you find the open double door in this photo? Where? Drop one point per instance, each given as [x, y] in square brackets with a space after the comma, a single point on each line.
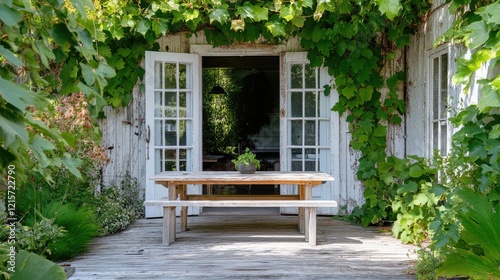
[308, 128]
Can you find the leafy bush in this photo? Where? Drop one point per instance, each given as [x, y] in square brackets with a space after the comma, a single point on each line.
[477, 254]
[427, 264]
[409, 197]
[119, 206]
[4, 257]
[38, 238]
[79, 222]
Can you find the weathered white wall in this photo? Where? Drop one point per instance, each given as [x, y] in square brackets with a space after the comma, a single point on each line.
[124, 137]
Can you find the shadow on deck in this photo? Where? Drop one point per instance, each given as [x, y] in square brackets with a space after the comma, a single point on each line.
[246, 244]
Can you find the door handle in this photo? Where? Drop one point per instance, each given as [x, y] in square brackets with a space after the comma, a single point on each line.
[148, 135]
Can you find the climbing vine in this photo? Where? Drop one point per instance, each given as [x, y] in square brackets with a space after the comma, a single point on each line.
[353, 39]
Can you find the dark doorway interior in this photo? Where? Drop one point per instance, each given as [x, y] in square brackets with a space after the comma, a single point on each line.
[245, 114]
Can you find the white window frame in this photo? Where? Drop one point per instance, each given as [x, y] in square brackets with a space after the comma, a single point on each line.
[440, 123]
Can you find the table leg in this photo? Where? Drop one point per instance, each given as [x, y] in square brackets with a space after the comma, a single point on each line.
[307, 214]
[301, 209]
[169, 217]
[184, 209]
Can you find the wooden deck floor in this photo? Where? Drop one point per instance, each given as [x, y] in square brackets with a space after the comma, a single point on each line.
[246, 244]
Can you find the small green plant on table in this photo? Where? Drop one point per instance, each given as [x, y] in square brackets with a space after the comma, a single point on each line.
[246, 162]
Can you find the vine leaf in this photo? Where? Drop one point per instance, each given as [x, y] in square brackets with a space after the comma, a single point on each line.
[287, 13]
[9, 16]
[10, 130]
[82, 5]
[478, 34]
[19, 96]
[261, 13]
[219, 15]
[276, 28]
[10, 56]
[390, 8]
[246, 11]
[493, 11]
[143, 26]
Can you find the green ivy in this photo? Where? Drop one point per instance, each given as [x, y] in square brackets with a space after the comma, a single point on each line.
[354, 40]
[98, 50]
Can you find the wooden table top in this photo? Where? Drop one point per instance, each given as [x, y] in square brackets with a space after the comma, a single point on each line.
[311, 178]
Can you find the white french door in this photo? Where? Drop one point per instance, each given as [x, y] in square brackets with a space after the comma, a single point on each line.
[309, 129]
[173, 120]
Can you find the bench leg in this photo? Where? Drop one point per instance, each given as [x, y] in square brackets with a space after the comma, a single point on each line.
[311, 226]
[301, 219]
[168, 225]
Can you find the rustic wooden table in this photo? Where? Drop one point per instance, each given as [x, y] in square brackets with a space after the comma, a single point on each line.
[305, 180]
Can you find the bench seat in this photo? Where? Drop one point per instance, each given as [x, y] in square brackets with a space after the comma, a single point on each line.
[169, 212]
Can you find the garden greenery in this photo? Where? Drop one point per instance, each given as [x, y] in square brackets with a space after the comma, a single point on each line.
[91, 46]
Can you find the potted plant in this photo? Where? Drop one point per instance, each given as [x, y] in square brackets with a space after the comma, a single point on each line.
[246, 163]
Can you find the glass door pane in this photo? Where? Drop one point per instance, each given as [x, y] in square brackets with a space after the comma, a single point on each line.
[172, 119]
[306, 118]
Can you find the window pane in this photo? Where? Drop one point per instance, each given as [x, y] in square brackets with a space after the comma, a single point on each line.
[296, 133]
[158, 74]
[296, 101]
[297, 165]
[310, 76]
[158, 103]
[182, 133]
[296, 76]
[310, 165]
[170, 159]
[182, 104]
[189, 133]
[297, 154]
[324, 163]
[444, 85]
[170, 104]
[158, 160]
[310, 153]
[310, 133]
[324, 110]
[182, 160]
[310, 104]
[435, 89]
[444, 139]
[170, 133]
[158, 134]
[182, 76]
[435, 136]
[170, 71]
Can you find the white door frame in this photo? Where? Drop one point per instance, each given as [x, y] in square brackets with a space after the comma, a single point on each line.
[327, 157]
[189, 117]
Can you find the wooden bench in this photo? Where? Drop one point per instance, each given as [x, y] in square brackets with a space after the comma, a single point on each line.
[308, 221]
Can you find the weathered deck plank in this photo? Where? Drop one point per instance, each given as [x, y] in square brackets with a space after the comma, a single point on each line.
[252, 245]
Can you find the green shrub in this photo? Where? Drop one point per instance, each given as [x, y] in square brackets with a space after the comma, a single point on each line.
[4, 258]
[80, 224]
[477, 254]
[38, 238]
[119, 206]
[427, 263]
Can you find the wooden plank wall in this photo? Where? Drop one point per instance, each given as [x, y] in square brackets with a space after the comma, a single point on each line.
[124, 137]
